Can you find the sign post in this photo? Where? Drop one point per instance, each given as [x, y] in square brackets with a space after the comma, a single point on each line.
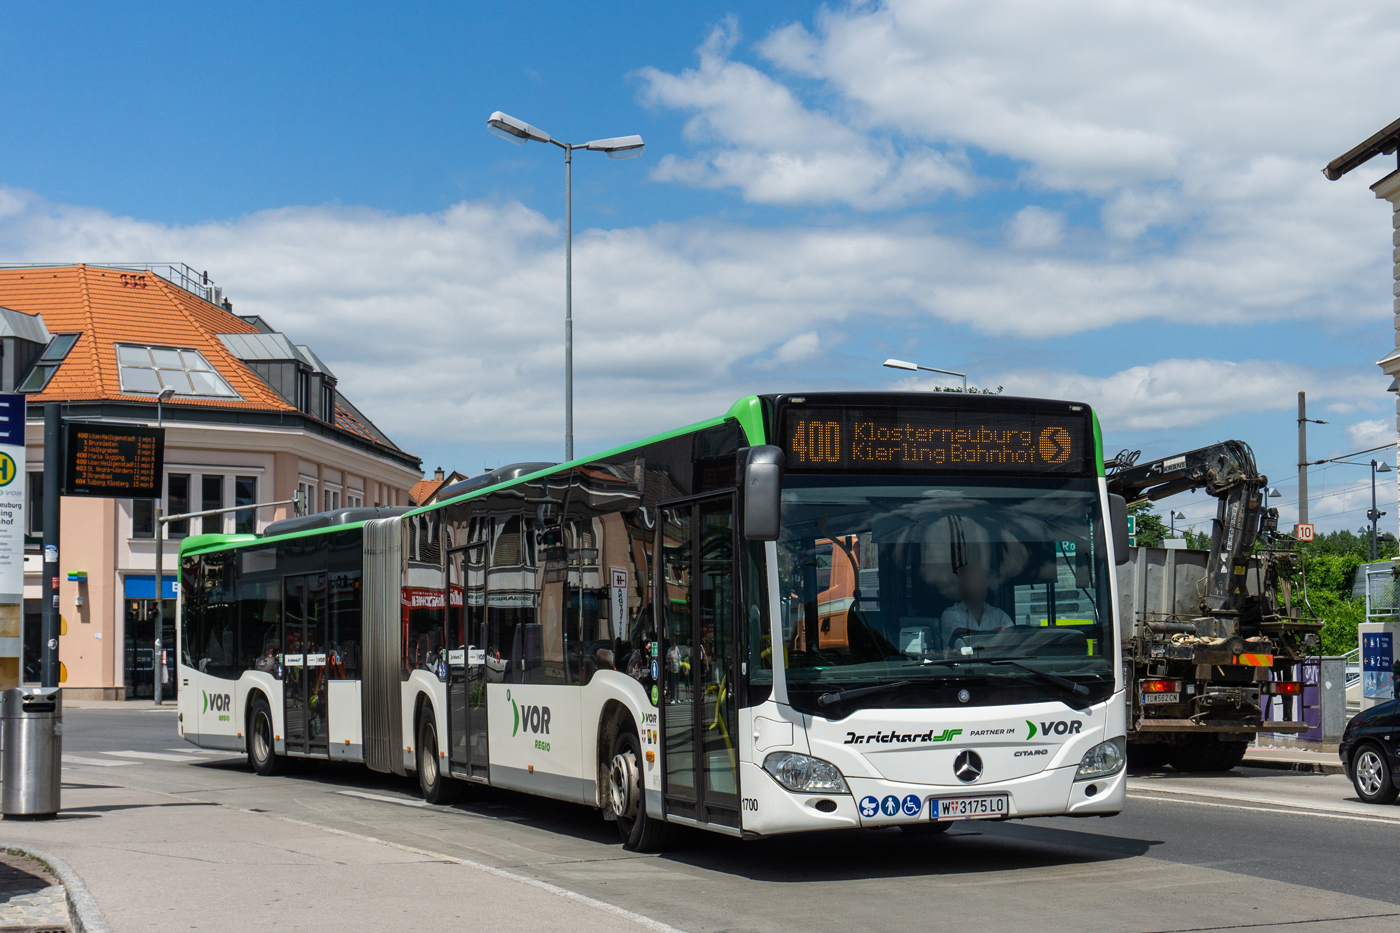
[12, 527]
[1377, 663]
[111, 461]
[1304, 531]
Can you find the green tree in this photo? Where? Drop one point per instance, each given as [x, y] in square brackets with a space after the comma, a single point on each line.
[1151, 529]
[1330, 563]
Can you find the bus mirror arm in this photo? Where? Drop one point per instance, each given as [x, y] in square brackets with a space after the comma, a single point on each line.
[762, 481]
[1118, 518]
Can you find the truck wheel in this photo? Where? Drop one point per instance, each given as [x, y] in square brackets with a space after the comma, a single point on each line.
[1148, 756]
[1371, 775]
[1231, 754]
[1200, 752]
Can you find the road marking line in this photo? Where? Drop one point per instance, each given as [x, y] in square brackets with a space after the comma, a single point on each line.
[1273, 801]
[148, 756]
[96, 762]
[1226, 806]
[401, 801]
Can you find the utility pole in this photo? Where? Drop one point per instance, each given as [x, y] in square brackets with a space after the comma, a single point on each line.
[1302, 458]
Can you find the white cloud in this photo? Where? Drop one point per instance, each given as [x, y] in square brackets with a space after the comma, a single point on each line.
[1035, 228]
[1372, 432]
[1185, 393]
[777, 151]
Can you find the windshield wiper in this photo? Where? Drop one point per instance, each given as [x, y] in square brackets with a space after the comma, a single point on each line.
[827, 699]
[1055, 680]
[1063, 683]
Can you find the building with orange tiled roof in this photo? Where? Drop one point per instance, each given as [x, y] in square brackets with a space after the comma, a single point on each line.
[254, 418]
[426, 490]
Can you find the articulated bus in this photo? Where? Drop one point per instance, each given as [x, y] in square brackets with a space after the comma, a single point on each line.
[813, 612]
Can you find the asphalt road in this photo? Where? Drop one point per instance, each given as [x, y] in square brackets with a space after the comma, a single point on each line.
[1254, 849]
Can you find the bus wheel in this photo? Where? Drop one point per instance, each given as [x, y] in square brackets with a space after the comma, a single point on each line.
[437, 787]
[262, 748]
[639, 832]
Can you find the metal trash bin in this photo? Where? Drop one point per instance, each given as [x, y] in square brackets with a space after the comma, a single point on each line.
[31, 727]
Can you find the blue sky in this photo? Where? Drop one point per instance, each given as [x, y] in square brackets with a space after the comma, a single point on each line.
[1122, 204]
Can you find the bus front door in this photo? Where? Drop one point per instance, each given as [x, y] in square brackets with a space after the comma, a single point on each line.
[466, 681]
[304, 692]
[699, 759]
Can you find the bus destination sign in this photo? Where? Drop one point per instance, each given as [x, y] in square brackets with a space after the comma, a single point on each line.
[115, 461]
[914, 440]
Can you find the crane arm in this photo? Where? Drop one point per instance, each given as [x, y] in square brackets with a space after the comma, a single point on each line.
[1228, 472]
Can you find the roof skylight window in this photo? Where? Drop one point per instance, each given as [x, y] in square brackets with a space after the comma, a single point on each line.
[48, 362]
[147, 370]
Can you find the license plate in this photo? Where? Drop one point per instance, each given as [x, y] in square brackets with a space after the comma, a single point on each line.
[985, 807]
[1150, 698]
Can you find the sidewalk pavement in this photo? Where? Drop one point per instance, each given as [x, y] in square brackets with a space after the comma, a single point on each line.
[160, 862]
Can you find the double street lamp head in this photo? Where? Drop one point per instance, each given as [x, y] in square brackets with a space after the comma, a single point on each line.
[518, 132]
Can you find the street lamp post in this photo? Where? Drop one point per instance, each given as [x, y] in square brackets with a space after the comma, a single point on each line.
[157, 647]
[618, 147]
[1377, 466]
[901, 364]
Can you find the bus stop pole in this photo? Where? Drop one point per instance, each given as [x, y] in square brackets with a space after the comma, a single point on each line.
[53, 480]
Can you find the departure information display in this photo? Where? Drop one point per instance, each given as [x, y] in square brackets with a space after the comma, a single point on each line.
[116, 461]
[915, 440]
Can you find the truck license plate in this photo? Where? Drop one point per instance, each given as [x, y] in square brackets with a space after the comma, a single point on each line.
[987, 806]
[1150, 698]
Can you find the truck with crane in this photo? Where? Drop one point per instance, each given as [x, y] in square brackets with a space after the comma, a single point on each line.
[1210, 636]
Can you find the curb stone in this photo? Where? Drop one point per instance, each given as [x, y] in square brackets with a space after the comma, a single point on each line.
[83, 911]
[1306, 767]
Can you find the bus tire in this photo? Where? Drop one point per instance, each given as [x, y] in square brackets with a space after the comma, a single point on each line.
[627, 797]
[262, 746]
[437, 787]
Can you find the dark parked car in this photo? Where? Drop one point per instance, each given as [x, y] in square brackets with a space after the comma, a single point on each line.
[1370, 751]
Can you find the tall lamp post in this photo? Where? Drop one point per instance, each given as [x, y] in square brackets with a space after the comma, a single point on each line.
[157, 648]
[1377, 466]
[901, 364]
[619, 147]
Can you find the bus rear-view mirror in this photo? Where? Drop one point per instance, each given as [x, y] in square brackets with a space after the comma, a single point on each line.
[1118, 519]
[763, 492]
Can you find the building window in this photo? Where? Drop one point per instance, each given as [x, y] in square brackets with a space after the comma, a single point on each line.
[330, 499]
[177, 498]
[306, 492]
[211, 497]
[34, 503]
[147, 370]
[354, 500]
[245, 492]
[143, 518]
[48, 363]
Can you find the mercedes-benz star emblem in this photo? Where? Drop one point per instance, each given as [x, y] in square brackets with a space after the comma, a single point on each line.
[968, 766]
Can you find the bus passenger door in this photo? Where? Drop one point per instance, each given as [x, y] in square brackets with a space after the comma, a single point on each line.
[466, 685]
[304, 688]
[697, 592]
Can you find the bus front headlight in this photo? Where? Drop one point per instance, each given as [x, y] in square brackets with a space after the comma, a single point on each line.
[805, 774]
[1103, 759]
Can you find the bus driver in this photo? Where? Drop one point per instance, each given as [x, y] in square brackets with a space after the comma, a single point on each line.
[973, 613]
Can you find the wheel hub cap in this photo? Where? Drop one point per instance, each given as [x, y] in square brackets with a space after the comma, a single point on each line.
[622, 785]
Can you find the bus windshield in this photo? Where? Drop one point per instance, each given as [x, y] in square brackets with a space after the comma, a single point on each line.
[939, 582]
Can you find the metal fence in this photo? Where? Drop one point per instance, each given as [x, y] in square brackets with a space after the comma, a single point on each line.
[1382, 594]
